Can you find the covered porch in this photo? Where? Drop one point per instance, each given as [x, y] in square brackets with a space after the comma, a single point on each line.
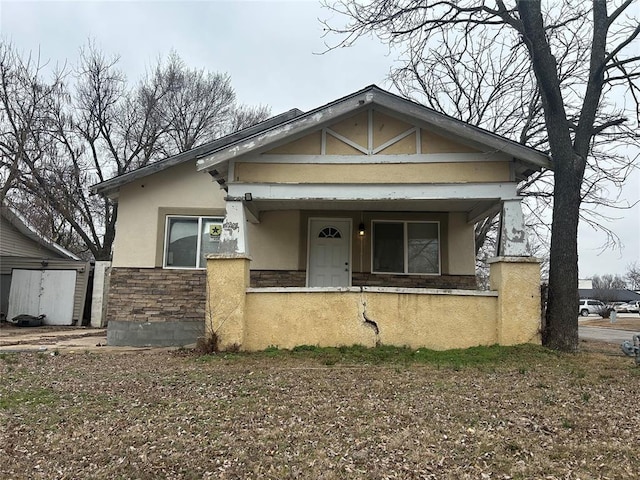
[346, 289]
[337, 235]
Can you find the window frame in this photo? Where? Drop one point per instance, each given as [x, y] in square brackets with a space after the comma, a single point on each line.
[165, 247]
[405, 233]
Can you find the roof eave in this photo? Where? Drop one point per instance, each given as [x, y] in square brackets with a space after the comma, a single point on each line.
[20, 224]
[109, 188]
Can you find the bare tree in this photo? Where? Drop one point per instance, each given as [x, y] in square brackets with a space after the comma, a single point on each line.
[26, 104]
[608, 282]
[98, 126]
[581, 57]
[633, 275]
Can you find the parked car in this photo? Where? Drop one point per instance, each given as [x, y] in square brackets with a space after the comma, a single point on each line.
[588, 305]
[621, 307]
[633, 307]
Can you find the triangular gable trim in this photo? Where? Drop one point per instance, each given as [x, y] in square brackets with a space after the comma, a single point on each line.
[368, 97]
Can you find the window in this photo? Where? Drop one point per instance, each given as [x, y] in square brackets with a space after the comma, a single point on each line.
[406, 247]
[188, 240]
[330, 232]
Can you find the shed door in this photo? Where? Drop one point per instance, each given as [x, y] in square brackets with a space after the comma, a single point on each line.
[49, 292]
[329, 253]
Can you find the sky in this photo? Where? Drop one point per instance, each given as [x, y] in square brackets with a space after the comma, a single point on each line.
[273, 51]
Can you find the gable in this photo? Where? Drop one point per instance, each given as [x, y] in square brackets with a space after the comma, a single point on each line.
[371, 146]
[371, 132]
[370, 123]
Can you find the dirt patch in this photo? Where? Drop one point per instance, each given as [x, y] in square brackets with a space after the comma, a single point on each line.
[9, 330]
[269, 415]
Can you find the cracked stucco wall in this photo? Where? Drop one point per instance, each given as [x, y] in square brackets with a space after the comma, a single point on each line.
[254, 319]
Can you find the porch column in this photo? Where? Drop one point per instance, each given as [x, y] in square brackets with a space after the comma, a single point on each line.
[512, 236]
[233, 239]
[227, 283]
[517, 280]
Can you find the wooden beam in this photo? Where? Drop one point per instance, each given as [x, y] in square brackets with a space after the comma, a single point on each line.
[375, 159]
[374, 192]
[482, 211]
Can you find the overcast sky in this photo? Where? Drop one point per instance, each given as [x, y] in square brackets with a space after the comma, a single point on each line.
[271, 50]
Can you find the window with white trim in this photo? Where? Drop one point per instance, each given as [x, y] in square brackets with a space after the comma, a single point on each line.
[188, 240]
[406, 247]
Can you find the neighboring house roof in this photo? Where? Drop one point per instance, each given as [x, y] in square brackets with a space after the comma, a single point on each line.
[609, 295]
[295, 123]
[21, 225]
[110, 187]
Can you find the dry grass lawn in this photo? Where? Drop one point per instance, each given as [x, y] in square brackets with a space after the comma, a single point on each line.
[488, 413]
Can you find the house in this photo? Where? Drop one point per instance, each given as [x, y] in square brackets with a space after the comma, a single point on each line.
[38, 276]
[610, 295]
[349, 224]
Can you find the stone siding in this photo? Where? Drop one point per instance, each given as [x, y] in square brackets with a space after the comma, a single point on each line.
[454, 282]
[156, 295]
[278, 278]
[297, 278]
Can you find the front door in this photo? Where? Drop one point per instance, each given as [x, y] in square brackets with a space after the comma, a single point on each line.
[329, 253]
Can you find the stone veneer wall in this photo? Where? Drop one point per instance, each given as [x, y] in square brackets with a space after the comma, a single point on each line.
[278, 278]
[297, 278]
[156, 295]
[465, 282]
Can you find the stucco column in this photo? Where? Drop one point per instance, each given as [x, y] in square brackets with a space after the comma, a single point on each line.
[513, 238]
[227, 282]
[233, 239]
[517, 280]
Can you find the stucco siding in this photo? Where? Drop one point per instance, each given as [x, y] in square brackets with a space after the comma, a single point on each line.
[354, 128]
[336, 318]
[257, 318]
[405, 146]
[274, 242]
[373, 173]
[386, 128]
[338, 147]
[433, 143]
[461, 247]
[143, 205]
[309, 144]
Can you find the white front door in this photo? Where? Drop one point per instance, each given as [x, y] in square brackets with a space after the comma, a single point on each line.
[329, 253]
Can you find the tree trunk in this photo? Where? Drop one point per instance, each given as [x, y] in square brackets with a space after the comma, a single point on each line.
[561, 329]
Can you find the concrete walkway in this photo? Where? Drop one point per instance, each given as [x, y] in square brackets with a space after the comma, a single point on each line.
[608, 335]
[69, 340]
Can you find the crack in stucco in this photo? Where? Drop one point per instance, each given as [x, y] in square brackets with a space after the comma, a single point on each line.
[370, 323]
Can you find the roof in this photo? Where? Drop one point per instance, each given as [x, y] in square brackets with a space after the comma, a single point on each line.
[296, 123]
[610, 295]
[108, 187]
[20, 224]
